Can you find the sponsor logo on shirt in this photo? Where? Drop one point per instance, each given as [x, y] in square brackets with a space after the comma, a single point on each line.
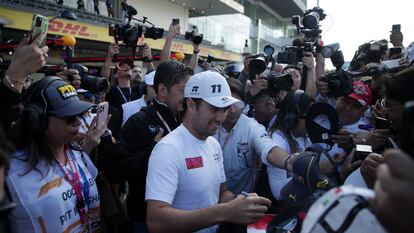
[153, 128]
[216, 156]
[193, 163]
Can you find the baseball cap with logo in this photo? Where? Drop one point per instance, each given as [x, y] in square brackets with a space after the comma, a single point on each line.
[307, 177]
[361, 93]
[62, 99]
[212, 87]
[322, 121]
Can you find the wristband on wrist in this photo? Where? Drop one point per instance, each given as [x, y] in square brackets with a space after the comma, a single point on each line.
[285, 163]
[196, 51]
[12, 80]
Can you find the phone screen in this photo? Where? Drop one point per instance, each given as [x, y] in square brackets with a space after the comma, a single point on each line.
[40, 24]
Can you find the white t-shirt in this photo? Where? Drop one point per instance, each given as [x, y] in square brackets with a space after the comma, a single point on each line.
[240, 148]
[186, 172]
[356, 179]
[46, 201]
[132, 107]
[278, 178]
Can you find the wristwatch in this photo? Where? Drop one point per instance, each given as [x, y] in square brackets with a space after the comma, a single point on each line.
[196, 51]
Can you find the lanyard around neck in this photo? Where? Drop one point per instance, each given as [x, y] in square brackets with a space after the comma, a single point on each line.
[123, 96]
[81, 191]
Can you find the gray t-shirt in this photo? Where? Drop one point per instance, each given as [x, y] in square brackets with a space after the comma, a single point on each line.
[247, 142]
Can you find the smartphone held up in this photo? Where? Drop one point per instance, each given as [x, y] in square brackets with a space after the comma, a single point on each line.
[40, 24]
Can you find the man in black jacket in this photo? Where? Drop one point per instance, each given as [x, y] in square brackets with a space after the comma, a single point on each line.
[143, 130]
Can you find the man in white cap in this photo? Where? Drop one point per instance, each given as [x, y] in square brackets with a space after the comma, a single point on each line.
[185, 188]
[132, 107]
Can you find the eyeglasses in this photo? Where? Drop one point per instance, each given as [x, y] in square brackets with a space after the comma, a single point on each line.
[385, 108]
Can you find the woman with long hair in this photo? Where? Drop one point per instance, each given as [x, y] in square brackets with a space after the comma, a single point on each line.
[52, 182]
[289, 133]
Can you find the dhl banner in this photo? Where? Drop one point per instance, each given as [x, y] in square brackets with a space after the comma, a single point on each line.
[23, 20]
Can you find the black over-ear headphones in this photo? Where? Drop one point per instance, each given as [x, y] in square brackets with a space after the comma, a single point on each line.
[292, 116]
[36, 104]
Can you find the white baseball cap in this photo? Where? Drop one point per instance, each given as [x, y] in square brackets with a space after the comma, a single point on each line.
[149, 78]
[213, 88]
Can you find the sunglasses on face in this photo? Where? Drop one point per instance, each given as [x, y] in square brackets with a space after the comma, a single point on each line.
[87, 95]
[71, 119]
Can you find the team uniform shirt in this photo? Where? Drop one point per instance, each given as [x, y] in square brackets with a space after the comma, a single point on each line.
[132, 107]
[46, 201]
[278, 178]
[186, 172]
[240, 148]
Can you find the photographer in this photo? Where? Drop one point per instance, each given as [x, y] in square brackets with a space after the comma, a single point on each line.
[71, 76]
[397, 91]
[173, 31]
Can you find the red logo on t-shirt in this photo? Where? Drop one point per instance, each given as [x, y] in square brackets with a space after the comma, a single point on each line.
[195, 162]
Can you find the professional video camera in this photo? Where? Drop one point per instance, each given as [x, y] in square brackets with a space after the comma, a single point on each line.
[278, 82]
[388, 66]
[294, 54]
[259, 62]
[309, 37]
[194, 36]
[370, 52]
[310, 30]
[339, 81]
[91, 83]
[130, 33]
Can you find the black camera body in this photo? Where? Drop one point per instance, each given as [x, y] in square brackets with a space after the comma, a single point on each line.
[310, 30]
[130, 33]
[259, 62]
[89, 82]
[370, 52]
[194, 36]
[361, 152]
[154, 33]
[278, 82]
[294, 54]
[339, 83]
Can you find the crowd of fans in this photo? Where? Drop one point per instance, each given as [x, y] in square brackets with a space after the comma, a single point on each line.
[203, 148]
